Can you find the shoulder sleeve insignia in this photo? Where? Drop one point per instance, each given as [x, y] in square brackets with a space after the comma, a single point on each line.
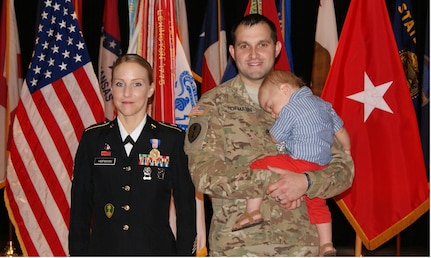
[196, 134]
[194, 131]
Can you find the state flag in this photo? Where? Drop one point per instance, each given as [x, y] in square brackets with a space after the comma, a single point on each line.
[367, 87]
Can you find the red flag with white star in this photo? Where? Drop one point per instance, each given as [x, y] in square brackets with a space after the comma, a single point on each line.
[367, 87]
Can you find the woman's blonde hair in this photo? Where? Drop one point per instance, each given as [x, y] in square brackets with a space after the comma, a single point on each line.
[134, 58]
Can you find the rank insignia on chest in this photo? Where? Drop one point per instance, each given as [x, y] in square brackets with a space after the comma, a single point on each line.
[149, 160]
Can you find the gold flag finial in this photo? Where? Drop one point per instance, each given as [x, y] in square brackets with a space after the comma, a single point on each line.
[9, 250]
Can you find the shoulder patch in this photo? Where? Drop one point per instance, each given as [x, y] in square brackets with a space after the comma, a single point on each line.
[199, 110]
[107, 122]
[196, 134]
[194, 131]
[173, 126]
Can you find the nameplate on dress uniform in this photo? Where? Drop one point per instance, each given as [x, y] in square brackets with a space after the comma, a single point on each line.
[104, 161]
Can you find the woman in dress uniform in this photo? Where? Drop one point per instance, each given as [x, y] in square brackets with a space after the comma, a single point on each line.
[125, 173]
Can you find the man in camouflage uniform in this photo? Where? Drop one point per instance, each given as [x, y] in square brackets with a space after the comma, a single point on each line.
[227, 131]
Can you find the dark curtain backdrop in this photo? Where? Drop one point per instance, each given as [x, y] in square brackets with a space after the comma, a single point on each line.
[303, 26]
[304, 16]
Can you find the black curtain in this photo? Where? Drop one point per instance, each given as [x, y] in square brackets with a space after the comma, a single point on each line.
[304, 16]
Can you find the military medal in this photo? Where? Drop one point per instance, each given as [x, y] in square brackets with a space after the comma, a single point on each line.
[153, 159]
[155, 153]
[147, 173]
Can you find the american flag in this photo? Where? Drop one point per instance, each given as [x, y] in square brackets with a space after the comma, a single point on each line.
[59, 98]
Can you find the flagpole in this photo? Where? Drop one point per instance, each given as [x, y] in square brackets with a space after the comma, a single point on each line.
[398, 247]
[358, 246]
[9, 250]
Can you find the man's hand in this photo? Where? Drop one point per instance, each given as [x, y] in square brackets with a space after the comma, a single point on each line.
[289, 190]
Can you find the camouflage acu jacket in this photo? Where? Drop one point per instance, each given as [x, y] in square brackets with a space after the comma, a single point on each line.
[227, 131]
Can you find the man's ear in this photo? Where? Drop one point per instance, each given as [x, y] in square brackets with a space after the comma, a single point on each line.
[278, 47]
[232, 52]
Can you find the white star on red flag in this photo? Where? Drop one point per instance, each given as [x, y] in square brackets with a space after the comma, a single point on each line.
[372, 96]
